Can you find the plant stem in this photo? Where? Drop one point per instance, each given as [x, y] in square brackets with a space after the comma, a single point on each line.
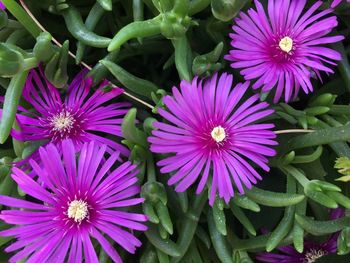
[30, 63]
[151, 173]
[300, 177]
[320, 137]
[189, 225]
[293, 131]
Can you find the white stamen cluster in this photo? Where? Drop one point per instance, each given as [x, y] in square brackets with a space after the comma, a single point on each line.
[218, 134]
[286, 44]
[313, 254]
[78, 210]
[62, 122]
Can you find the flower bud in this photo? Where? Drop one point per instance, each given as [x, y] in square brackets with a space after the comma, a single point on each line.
[154, 192]
[11, 61]
[317, 110]
[174, 25]
[207, 64]
[326, 99]
[43, 49]
[225, 10]
[342, 164]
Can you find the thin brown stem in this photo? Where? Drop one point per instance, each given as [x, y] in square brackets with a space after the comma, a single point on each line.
[25, 7]
[293, 131]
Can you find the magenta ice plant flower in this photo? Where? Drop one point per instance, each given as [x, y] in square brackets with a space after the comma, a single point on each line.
[83, 115]
[337, 2]
[211, 134]
[2, 6]
[83, 198]
[312, 250]
[284, 47]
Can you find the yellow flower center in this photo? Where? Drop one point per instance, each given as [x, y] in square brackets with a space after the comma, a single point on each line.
[286, 44]
[218, 134]
[78, 210]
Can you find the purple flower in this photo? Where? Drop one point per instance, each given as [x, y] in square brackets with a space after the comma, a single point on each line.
[285, 47]
[84, 198]
[211, 130]
[2, 6]
[80, 117]
[337, 2]
[312, 250]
